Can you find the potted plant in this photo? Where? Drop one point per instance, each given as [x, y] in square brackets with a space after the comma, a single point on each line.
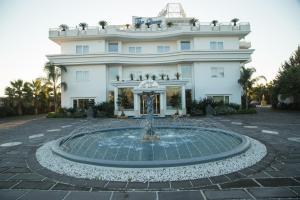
[159, 25]
[193, 21]
[177, 75]
[141, 77]
[137, 25]
[147, 76]
[153, 77]
[102, 24]
[214, 22]
[148, 24]
[118, 78]
[168, 77]
[127, 26]
[162, 76]
[83, 25]
[169, 24]
[63, 27]
[234, 21]
[131, 76]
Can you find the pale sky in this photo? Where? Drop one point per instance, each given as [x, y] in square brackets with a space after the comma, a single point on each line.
[275, 28]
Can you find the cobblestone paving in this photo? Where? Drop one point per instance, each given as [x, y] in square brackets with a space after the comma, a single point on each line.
[276, 176]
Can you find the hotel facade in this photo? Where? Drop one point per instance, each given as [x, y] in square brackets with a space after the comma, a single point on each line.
[109, 64]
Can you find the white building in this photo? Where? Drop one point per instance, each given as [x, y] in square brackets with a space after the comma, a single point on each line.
[207, 56]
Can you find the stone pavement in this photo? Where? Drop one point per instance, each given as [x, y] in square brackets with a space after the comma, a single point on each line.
[276, 176]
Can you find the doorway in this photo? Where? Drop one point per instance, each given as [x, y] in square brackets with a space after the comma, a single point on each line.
[156, 104]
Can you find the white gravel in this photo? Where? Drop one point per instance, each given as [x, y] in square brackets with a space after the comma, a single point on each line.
[63, 166]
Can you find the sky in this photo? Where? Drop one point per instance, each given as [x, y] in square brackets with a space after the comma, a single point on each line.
[275, 28]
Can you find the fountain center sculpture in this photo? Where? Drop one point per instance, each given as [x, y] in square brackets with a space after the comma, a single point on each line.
[148, 87]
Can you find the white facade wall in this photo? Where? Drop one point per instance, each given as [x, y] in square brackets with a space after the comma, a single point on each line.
[203, 43]
[149, 47]
[205, 85]
[94, 87]
[95, 46]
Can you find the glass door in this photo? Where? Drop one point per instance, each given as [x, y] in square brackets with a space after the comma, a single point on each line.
[156, 104]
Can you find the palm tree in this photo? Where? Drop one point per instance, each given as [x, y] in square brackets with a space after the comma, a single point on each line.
[83, 25]
[214, 22]
[63, 27]
[54, 73]
[102, 24]
[193, 21]
[17, 87]
[147, 76]
[169, 24]
[246, 81]
[148, 24]
[153, 77]
[36, 86]
[137, 25]
[177, 75]
[234, 21]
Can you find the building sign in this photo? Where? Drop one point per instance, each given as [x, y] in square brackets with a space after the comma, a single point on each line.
[144, 20]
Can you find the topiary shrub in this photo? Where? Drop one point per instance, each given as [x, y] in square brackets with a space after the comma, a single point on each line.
[224, 110]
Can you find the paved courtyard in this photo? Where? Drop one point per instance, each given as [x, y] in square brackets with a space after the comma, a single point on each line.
[276, 176]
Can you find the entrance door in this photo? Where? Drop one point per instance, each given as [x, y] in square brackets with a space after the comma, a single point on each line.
[156, 104]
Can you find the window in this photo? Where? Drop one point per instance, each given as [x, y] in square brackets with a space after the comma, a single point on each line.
[216, 45]
[186, 72]
[82, 75]
[163, 49]
[113, 47]
[217, 72]
[113, 72]
[173, 94]
[82, 49]
[125, 98]
[185, 45]
[224, 99]
[83, 103]
[135, 49]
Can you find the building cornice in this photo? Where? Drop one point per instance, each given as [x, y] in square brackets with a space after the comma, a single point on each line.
[143, 59]
[95, 33]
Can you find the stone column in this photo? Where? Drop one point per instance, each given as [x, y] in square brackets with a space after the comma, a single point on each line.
[162, 104]
[183, 100]
[136, 104]
[115, 100]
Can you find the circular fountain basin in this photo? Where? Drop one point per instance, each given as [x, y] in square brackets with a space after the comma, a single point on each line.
[124, 147]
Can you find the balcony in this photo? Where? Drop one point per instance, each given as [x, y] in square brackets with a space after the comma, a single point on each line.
[154, 32]
[245, 44]
[145, 59]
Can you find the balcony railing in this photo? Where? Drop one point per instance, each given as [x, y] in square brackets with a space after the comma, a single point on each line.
[122, 30]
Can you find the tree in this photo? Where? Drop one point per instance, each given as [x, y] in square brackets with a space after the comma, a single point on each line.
[234, 21]
[176, 101]
[63, 27]
[287, 81]
[148, 24]
[83, 25]
[169, 24]
[246, 81]
[102, 24]
[193, 21]
[15, 92]
[54, 73]
[36, 86]
[214, 22]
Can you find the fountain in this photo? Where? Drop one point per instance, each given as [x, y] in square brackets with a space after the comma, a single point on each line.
[134, 151]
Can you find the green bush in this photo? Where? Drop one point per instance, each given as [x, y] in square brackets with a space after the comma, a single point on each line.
[224, 110]
[7, 111]
[104, 109]
[64, 114]
[249, 111]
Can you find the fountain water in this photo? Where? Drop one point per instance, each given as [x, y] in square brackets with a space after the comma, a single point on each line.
[150, 134]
